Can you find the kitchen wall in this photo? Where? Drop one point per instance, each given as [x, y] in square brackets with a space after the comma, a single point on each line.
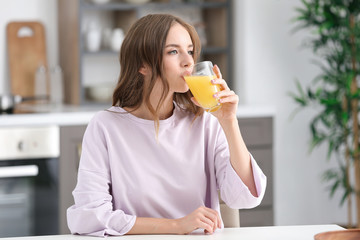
[27, 10]
[268, 59]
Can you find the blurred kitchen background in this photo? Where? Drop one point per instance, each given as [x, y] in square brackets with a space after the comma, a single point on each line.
[266, 59]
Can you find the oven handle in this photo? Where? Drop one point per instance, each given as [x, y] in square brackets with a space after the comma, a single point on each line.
[19, 171]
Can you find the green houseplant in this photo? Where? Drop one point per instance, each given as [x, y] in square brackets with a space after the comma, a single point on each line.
[335, 39]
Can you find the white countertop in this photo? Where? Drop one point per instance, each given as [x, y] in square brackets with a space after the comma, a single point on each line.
[253, 111]
[81, 115]
[50, 115]
[304, 232]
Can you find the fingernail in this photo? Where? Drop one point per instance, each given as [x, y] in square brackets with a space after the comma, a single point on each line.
[215, 95]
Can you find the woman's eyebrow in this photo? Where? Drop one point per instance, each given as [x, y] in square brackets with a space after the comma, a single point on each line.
[177, 45]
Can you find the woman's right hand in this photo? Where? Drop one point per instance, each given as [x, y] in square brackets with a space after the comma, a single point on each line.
[203, 217]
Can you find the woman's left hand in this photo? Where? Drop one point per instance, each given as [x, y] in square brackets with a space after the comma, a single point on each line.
[228, 99]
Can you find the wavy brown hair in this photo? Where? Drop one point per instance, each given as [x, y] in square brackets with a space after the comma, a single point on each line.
[144, 45]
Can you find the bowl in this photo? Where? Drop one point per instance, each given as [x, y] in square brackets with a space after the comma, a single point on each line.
[99, 93]
[137, 1]
[100, 1]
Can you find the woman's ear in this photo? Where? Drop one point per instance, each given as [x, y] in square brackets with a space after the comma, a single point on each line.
[145, 70]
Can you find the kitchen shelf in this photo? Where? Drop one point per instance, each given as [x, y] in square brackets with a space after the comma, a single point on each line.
[129, 6]
[205, 50]
[78, 63]
[101, 53]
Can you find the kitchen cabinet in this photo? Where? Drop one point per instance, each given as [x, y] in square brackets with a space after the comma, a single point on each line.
[70, 148]
[85, 70]
[258, 136]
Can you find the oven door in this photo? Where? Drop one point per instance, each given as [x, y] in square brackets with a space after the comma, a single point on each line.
[29, 181]
[28, 197]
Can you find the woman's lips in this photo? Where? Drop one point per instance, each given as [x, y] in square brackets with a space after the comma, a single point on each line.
[186, 73]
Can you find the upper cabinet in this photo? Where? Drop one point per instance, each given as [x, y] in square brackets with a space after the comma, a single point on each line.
[90, 36]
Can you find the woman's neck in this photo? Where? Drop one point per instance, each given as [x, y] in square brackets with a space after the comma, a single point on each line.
[165, 111]
[167, 106]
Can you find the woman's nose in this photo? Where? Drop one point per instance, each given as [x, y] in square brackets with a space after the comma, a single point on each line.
[188, 61]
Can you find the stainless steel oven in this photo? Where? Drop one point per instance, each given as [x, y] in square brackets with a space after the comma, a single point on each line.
[29, 200]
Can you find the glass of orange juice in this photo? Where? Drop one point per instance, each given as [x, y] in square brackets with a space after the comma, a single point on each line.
[201, 87]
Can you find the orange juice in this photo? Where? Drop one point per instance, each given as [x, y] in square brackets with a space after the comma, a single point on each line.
[203, 91]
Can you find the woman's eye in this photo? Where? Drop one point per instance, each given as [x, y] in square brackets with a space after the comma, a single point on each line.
[191, 52]
[173, 52]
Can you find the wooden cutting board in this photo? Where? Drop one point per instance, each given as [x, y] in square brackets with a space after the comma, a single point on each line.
[26, 46]
[350, 234]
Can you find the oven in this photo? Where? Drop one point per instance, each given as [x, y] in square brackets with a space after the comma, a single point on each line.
[29, 195]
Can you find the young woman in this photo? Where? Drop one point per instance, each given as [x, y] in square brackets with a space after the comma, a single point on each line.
[154, 162]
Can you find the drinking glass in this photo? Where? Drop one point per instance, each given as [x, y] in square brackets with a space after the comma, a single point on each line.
[201, 87]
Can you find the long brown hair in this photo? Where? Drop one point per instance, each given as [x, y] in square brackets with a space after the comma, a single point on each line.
[144, 45]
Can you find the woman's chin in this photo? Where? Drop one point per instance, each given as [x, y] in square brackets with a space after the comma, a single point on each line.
[182, 90]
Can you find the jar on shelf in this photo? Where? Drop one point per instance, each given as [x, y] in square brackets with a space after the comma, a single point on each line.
[93, 36]
[117, 38]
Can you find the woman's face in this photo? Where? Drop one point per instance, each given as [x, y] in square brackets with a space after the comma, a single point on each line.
[178, 58]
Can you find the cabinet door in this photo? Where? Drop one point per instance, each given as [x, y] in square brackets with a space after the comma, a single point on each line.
[263, 214]
[70, 148]
[256, 131]
[258, 135]
[257, 217]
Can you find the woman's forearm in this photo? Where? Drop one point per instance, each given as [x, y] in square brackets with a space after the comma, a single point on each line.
[154, 226]
[202, 217]
[239, 154]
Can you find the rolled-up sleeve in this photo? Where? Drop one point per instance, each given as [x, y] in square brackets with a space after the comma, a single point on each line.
[93, 212]
[236, 194]
[233, 190]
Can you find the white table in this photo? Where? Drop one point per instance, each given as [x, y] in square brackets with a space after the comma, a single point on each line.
[304, 232]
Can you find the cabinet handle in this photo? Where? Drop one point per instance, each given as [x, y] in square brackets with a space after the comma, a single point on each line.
[11, 200]
[19, 171]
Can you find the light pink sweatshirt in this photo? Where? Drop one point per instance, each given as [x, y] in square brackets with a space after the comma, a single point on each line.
[125, 172]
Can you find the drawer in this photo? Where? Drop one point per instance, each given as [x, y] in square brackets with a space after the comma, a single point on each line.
[256, 217]
[256, 131]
